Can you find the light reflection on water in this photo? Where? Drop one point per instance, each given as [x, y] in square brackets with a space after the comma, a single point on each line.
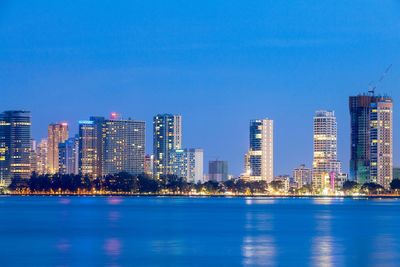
[118, 231]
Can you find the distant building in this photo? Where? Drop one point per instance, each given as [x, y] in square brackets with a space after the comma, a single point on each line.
[41, 157]
[15, 146]
[325, 149]
[109, 146]
[33, 156]
[218, 170]
[260, 157]
[396, 173]
[88, 161]
[302, 176]
[167, 136]
[371, 139]
[187, 164]
[285, 179]
[57, 133]
[68, 156]
[148, 165]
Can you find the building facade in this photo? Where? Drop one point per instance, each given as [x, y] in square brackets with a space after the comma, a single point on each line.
[302, 176]
[260, 157]
[15, 146]
[167, 136]
[325, 162]
[371, 139]
[57, 133]
[68, 156]
[88, 160]
[187, 164]
[218, 170]
[41, 157]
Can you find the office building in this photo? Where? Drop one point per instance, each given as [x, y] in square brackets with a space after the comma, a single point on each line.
[187, 164]
[15, 146]
[68, 156]
[371, 139]
[302, 176]
[57, 133]
[260, 157]
[167, 136]
[325, 163]
[218, 170]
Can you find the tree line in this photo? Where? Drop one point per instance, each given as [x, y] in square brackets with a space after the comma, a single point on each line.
[125, 183]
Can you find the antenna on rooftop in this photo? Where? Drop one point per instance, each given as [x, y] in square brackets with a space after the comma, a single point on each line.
[372, 87]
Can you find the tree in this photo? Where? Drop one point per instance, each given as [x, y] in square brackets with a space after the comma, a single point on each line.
[395, 185]
[372, 188]
[350, 187]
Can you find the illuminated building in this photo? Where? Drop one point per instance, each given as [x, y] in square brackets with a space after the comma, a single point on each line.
[123, 146]
[167, 136]
[148, 165]
[218, 170]
[68, 156]
[371, 139]
[111, 146]
[187, 164]
[260, 157]
[381, 121]
[15, 146]
[88, 161]
[325, 149]
[33, 156]
[302, 176]
[57, 133]
[41, 157]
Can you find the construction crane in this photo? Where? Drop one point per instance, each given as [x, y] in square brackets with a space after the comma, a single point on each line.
[372, 87]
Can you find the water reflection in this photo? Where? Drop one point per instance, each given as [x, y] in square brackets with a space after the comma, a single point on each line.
[258, 246]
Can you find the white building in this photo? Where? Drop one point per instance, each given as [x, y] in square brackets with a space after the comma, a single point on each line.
[259, 163]
[325, 162]
[302, 175]
[188, 164]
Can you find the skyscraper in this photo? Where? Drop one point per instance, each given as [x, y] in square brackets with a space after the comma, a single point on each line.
[124, 146]
[371, 139]
[325, 163]
[41, 157]
[260, 156]
[109, 146]
[167, 136]
[88, 163]
[15, 146]
[218, 170]
[57, 133]
[187, 164]
[68, 156]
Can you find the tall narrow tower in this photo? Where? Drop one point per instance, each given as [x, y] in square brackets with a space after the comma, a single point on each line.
[167, 136]
[325, 161]
[261, 153]
[57, 133]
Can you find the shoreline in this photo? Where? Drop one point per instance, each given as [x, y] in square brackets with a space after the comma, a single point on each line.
[388, 196]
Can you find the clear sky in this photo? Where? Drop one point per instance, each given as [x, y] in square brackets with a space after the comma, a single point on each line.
[218, 63]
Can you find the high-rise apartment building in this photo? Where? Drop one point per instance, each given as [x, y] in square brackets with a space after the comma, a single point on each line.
[68, 156]
[260, 157]
[302, 176]
[187, 164]
[15, 146]
[371, 139]
[325, 163]
[41, 157]
[123, 146]
[148, 165]
[167, 136]
[218, 170]
[109, 146]
[88, 160]
[57, 133]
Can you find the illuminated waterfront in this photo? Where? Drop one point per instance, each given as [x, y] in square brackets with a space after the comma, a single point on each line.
[181, 231]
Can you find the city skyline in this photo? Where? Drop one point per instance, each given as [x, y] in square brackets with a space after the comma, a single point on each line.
[219, 74]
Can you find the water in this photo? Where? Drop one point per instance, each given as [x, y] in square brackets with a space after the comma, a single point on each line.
[160, 231]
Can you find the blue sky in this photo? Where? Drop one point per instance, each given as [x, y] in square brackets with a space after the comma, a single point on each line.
[218, 63]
